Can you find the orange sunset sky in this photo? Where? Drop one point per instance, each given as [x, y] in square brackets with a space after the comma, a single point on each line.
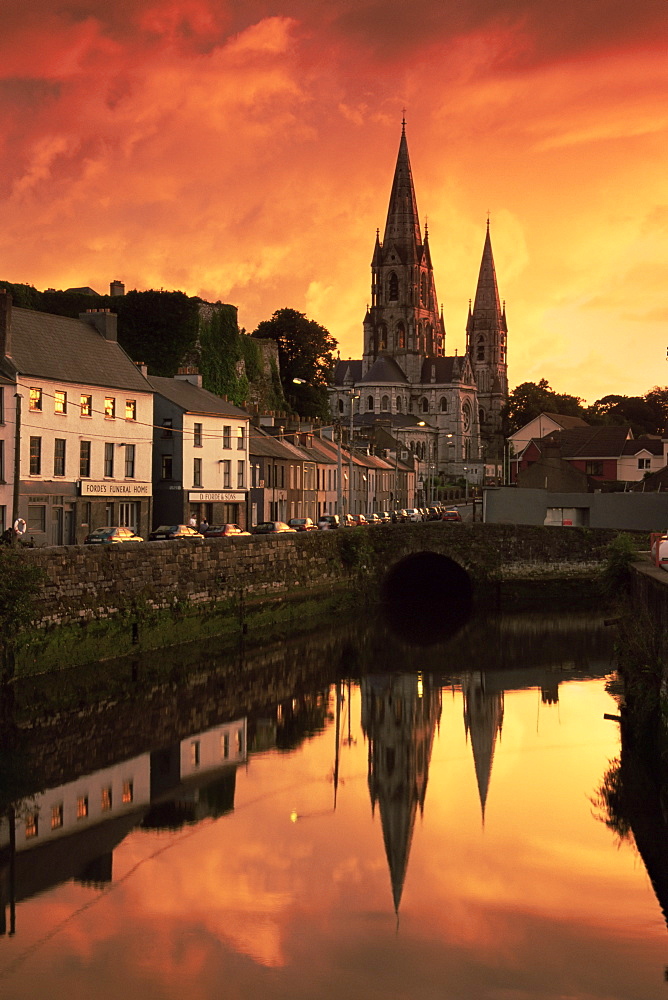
[244, 151]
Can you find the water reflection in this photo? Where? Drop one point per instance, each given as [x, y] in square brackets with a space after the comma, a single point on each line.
[450, 784]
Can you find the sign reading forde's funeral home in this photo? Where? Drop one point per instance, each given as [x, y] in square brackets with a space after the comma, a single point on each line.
[91, 488]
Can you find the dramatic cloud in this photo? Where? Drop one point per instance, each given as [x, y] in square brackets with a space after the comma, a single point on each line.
[245, 152]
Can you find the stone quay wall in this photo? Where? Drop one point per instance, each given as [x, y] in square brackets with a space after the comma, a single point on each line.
[87, 582]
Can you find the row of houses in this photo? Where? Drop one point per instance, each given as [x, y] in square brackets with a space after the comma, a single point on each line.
[88, 438]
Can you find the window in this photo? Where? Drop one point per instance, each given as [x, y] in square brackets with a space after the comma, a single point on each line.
[86, 406]
[31, 825]
[130, 409]
[57, 816]
[423, 287]
[167, 428]
[644, 463]
[2, 461]
[443, 405]
[227, 473]
[109, 406]
[425, 405]
[130, 461]
[35, 399]
[241, 440]
[86, 510]
[36, 517]
[109, 459]
[225, 746]
[107, 799]
[227, 437]
[197, 435]
[128, 791]
[239, 741]
[84, 459]
[241, 477]
[82, 807]
[194, 753]
[60, 401]
[197, 472]
[385, 403]
[166, 467]
[59, 457]
[2, 405]
[393, 290]
[369, 403]
[594, 468]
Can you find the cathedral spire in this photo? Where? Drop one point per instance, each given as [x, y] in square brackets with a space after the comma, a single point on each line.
[487, 292]
[403, 224]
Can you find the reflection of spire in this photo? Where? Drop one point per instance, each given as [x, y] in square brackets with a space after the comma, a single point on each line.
[483, 719]
[400, 713]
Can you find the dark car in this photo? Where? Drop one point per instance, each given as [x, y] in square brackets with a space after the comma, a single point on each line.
[111, 536]
[271, 528]
[302, 524]
[175, 531]
[385, 516]
[373, 519]
[327, 522]
[451, 514]
[224, 530]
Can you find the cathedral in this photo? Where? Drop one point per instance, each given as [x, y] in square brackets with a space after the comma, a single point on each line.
[447, 410]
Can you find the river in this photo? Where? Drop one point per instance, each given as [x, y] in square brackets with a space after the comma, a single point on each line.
[335, 816]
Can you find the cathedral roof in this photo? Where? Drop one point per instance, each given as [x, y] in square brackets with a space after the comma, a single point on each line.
[385, 370]
[402, 228]
[347, 371]
[444, 370]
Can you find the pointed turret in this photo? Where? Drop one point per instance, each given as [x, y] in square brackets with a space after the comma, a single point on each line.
[487, 293]
[402, 228]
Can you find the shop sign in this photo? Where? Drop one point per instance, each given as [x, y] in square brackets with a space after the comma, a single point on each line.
[230, 497]
[91, 488]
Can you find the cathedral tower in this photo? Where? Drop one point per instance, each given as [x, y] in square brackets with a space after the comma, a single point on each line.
[486, 344]
[403, 319]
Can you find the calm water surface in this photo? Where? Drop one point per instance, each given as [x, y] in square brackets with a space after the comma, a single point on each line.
[404, 833]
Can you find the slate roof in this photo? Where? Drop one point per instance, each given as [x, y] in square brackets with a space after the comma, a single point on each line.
[653, 445]
[192, 399]
[590, 442]
[405, 421]
[447, 370]
[69, 350]
[385, 370]
[267, 446]
[566, 421]
[349, 370]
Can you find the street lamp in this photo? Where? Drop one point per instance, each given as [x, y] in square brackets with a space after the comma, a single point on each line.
[466, 481]
[353, 397]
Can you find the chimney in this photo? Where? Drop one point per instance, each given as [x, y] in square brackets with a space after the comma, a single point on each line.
[104, 321]
[5, 323]
[116, 288]
[189, 374]
[143, 368]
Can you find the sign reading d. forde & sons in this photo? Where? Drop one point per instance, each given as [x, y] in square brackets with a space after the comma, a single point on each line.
[91, 488]
[201, 496]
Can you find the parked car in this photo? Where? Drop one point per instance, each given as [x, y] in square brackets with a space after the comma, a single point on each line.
[327, 522]
[358, 520]
[272, 528]
[399, 516]
[224, 530]
[170, 532]
[302, 524]
[385, 517]
[434, 513]
[413, 514]
[451, 514]
[111, 536]
[373, 519]
[348, 521]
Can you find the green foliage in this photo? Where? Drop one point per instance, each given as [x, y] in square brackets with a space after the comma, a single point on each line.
[23, 296]
[305, 352]
[645, 414]
[228, 359]
[530, 399]
[19, 586]
[158, 328]
[620, 553]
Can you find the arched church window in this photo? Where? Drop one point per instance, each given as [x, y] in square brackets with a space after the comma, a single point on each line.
[443, 405]
[340, 406]
[385, 403]
[401, 336]
[398, 404]
[369, 403]
[412, 446]
[423, 287]
[393, 287]
[481, 415]
[425, 405]
[466, 416]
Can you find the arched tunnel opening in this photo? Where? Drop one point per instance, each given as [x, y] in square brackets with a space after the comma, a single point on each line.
[426, 598]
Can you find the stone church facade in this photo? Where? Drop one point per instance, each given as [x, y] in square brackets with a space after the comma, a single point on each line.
[446, 409]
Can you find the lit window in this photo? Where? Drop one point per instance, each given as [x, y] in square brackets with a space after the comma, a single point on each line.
[57, 816]
[128, 791]
[82, 807]
[130, 409]
[86, 405]
[35, 399]
[106, 799]
[60, 401]
[31, 825]
[109, 406]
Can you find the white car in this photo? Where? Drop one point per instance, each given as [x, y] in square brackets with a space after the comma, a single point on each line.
[414, 514]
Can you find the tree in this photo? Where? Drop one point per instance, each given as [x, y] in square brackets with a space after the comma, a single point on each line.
[305, 352]
[158, 328]
[530, 399]
[633, 410]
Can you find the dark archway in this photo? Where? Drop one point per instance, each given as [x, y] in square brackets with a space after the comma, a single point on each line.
[426, 598]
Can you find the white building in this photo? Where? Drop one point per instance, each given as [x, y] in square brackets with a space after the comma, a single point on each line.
[83, 414]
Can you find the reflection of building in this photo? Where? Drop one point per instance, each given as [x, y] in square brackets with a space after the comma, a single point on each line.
[70, 831]
[400, 713]
[483, 719]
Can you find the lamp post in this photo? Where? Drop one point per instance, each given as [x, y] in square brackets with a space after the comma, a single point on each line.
[466, 487]
[353, 397]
